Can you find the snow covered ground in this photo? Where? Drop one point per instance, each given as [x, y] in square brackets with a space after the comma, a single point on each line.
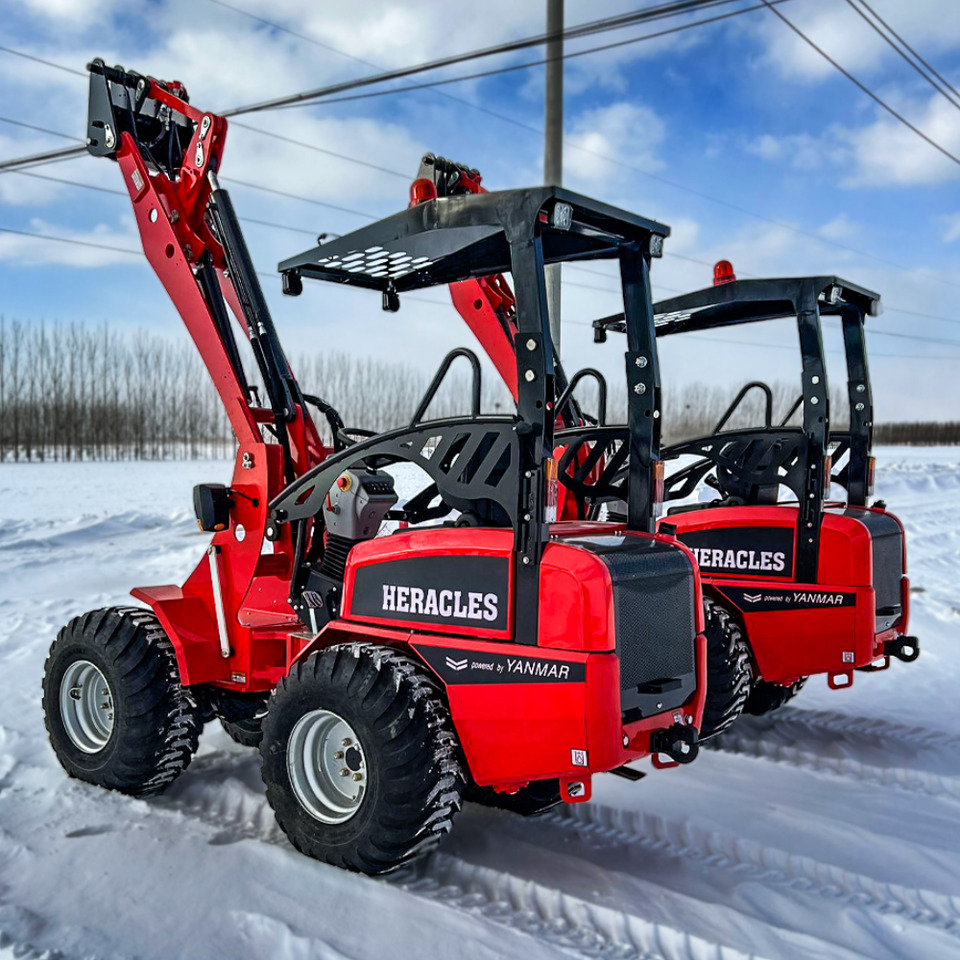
[828, 832]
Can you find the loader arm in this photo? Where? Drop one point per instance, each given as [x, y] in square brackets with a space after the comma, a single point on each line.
[225, 621]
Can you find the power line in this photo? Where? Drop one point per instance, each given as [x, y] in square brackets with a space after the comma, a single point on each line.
[882, 103]
[903, 56]
[900, 39]
[433, 84]
[581, 30]
[46, 63]
[30, 126]
[293, 196]
[77, 243]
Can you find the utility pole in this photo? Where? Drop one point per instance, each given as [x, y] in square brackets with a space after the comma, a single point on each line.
[553, 143]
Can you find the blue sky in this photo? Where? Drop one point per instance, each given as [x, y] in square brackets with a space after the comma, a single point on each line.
[741, 112]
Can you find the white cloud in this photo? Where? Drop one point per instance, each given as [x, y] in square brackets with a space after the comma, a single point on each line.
[883, 153]
[625, 131]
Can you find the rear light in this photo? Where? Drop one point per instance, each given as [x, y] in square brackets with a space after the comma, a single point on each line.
[552, 492]
[659, 487]
[421, 191]
[871, 474]
[723, 273]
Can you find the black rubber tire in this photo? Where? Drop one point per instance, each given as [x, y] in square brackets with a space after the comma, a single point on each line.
[766, 697]
[242, 717]
[248, 733]
[729, 670]
[414, 780]
[157, 721]
[528, 801]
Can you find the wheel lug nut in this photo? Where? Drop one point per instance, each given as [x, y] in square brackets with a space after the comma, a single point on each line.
[338, 755]
[358, 777]
[347, 742]
[344, 772]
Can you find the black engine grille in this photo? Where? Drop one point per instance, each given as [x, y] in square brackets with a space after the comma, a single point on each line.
[887, 545]
[655, 616]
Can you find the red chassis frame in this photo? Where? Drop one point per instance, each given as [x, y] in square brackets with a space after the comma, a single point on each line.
[240, 593]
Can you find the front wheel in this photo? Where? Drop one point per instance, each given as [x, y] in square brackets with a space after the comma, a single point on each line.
[114, 708]
[360, 758]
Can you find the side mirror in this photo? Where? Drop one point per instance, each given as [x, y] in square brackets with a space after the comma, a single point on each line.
[211, 504]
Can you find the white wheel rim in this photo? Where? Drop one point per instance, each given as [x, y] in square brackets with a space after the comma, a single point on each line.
[86, 706]
[326, 766]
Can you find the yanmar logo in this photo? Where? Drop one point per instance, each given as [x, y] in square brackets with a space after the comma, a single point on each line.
[541, 669]
[457, 665]
[817, 599]
[753, 597]
[747, 561]
[443, 604]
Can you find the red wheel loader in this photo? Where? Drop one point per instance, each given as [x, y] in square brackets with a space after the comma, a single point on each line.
[817, 585]
[486, 649]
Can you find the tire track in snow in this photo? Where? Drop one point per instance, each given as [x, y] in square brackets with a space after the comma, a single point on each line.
[770, 865]
[899, 778]
[867, 727]
[553, 916]
[539, 911]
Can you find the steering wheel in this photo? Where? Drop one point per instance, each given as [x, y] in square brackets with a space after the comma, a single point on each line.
[351, 436]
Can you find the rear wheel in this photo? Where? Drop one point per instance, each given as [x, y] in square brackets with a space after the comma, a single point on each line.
[241, 715]
[114, 708]
[360, 758]
[766, 697]
[729, 673]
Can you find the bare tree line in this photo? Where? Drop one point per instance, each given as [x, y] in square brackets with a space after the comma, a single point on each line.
[71, 392]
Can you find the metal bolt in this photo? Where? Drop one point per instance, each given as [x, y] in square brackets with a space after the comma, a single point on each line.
[344, 772]
[104, 692]
[347, 741]
[640, 388]
[641, 362]
[526, 516]
[526, 559]
[358, 777]
[814, 379]
[338, 755]
[859, 406]
[531, 344]
[104, 706]
[814, 400]
[659, 706]
[110, 716]
[861, 388]
[626, 740]
[529, 376]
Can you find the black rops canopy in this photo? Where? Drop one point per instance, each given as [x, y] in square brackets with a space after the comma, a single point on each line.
[456, 238]
[750, 301]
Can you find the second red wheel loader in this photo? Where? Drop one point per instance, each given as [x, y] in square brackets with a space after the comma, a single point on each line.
[487, 648]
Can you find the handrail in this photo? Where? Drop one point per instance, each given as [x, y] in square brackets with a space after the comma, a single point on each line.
[754, 384]
[438, 379]
[792, 410]
[567, 394]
